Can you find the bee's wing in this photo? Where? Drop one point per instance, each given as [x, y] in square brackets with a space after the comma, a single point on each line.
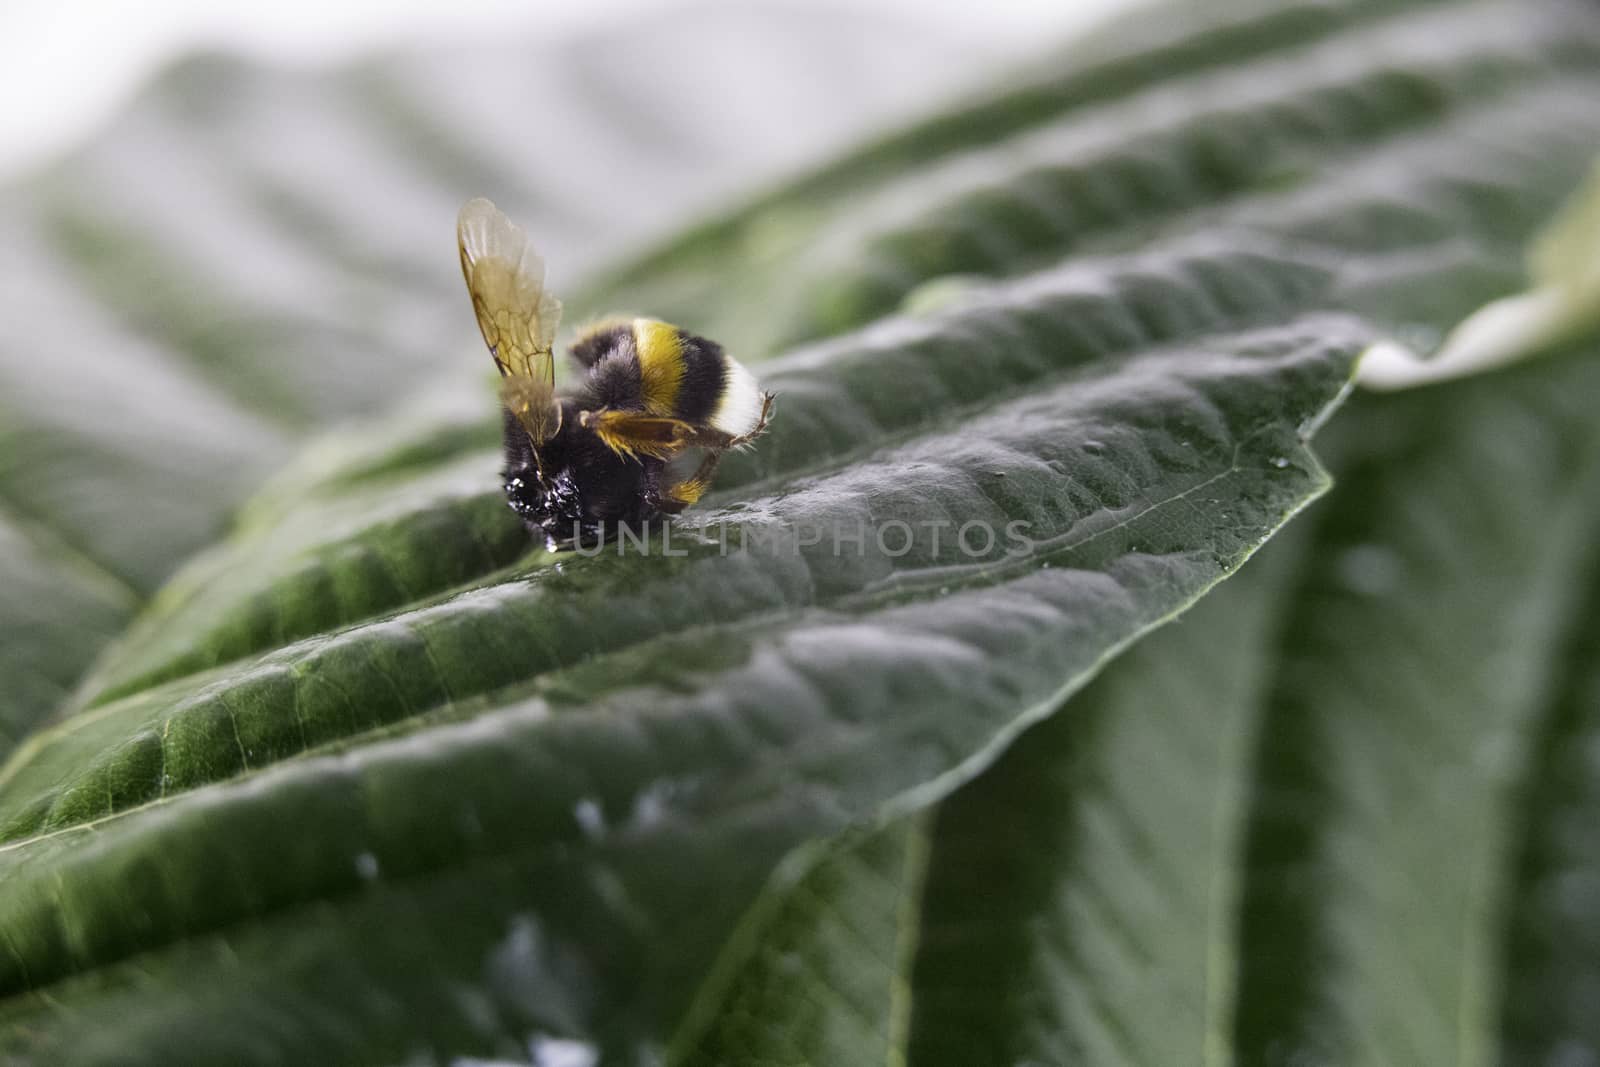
[505, 278]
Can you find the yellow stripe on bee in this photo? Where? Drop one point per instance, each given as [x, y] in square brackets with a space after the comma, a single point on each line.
[660, 364]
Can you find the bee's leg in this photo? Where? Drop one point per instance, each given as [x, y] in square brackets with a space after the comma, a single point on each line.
[682, 494]
[760, 426]
[697, 436]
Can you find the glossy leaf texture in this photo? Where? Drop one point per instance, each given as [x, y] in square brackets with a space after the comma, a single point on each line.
[372, 780]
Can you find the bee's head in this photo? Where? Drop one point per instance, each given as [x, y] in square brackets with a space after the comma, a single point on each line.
[575, 489]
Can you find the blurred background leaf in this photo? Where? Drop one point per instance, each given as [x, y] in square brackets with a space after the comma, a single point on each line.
[1340, 812]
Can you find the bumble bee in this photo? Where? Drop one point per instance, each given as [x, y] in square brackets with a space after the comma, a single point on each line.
[600, 456]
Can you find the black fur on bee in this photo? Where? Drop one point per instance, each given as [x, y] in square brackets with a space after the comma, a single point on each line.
[584, 490]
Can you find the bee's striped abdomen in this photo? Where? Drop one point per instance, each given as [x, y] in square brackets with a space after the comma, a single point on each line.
[690, 378]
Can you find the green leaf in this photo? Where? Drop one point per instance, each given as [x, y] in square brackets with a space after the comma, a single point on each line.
[372, 780]
[58, 599]
[828, 959]
[1551, 995]
[1418, 670]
